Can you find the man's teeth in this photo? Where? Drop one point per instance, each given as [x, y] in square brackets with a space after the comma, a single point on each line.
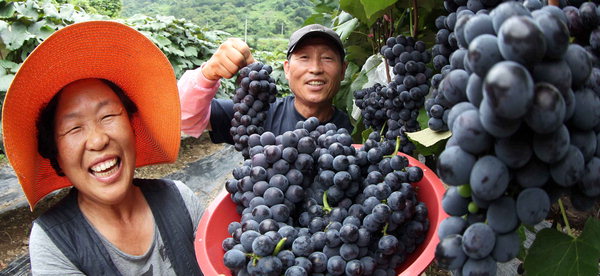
[316, 82]
[104, 165]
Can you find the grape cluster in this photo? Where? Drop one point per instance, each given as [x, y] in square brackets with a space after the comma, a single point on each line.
[583, 20]
[525, 121]
[251, 103]
[450, 53]
[312, 203]
[393, 109]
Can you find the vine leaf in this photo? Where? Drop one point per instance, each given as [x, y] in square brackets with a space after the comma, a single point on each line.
[429, 142]
[555, 253]
[346, 28]
[357, 9]
[6, 10]
[14, 36]
[5, 81]
[591, 232]
[374, 6]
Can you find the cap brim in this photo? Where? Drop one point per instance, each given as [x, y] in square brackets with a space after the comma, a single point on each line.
[314, 33]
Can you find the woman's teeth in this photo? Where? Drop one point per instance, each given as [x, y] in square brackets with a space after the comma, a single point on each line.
[105, 168]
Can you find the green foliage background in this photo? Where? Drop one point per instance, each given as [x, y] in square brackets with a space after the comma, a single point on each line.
[265, 25]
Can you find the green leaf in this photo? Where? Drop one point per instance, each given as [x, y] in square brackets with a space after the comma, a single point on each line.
[423, 118]
[365, 134]
[41, 29]
[7, 10]
[14, 36]
[162, 41]
[556, 254]
[355, 8]
[355, 52]
[591, 233]
[27, 11]
[191, 51]
[374, 6]
[345, 29]
[3, 26]
[5, 81]
[523, 236]
[429, 142]
[8, 65]
[343, 17]
[344, 98]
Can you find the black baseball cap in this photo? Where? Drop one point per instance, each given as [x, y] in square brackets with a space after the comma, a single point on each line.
[315, 30]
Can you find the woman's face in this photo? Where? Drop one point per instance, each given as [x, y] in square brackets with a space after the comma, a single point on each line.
[95, 141]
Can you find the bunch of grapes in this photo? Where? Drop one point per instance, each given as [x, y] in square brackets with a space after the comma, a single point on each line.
[393, 109]
[583, 20]
[251, 103]
[312, 203]
[525, 122]
[450, 53]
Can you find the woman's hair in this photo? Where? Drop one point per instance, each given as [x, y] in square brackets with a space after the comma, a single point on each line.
[45, 124]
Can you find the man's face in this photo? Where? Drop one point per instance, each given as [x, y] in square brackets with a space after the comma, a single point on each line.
[314, 71]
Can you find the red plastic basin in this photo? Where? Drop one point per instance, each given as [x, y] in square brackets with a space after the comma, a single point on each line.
[212, 229]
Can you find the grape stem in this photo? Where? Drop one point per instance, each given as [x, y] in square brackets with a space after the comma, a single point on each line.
[279, 246]
[397, 147]
[326, 207]
[384, 231]
[382, 128]
[564, 215]
[253, 257]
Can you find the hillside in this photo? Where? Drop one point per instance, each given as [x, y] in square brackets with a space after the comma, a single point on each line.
[265, 19]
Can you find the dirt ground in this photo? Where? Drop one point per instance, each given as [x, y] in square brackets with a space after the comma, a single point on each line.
[16, 225]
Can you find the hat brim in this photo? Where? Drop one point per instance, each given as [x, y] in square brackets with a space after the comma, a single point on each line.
[93, 49]
[317, 33]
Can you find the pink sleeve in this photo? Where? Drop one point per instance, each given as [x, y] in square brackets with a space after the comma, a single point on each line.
[195, 95]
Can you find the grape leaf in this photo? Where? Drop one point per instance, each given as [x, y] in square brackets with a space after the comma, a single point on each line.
[5, 81]
[14, 37]
[591, 233]
[7, 10]
[357, 9]
[374, 6]
[423, 118]
[429, 142]
[345, 29]
[555, 253]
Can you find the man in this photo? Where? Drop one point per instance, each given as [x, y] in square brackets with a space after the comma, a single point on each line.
[314, 68]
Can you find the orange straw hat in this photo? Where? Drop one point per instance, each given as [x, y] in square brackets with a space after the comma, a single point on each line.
[93, 49]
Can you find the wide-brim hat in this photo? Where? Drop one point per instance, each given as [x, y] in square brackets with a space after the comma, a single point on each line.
[93, 49]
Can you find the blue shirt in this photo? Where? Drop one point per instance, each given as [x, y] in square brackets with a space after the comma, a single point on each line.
[282, 117]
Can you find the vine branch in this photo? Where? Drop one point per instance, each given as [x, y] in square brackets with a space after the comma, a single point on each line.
[415, 19]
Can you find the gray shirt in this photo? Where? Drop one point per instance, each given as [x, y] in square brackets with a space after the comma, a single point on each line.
[47, 259]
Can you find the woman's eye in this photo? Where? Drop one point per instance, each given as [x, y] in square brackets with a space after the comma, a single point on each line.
[110, 116]
[73, 130]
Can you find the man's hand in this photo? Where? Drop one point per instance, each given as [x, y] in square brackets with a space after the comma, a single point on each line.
[232, 55]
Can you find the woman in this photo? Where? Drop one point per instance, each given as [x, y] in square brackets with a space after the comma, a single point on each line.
[103, 99]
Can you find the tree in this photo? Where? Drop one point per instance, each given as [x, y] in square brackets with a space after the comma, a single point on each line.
[110, 8]
[303, 12]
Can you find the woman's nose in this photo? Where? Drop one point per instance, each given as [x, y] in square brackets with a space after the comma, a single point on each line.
[97, 139]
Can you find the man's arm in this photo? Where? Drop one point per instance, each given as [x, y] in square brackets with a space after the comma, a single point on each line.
[198, 87]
